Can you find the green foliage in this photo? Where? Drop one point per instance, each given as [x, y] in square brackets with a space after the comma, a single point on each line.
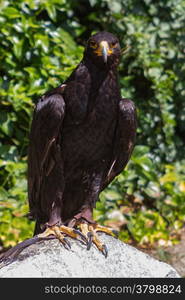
[151, 199]
[41, 42]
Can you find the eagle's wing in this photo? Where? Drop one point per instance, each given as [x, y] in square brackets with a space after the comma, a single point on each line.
[44, 145]
[124, 140]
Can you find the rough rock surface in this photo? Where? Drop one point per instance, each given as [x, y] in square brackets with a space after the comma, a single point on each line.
[51, 259]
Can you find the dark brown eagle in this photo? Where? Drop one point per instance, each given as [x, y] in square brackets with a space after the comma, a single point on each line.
[82, 136]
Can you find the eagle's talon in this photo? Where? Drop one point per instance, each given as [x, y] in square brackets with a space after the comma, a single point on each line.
[90, 232]
[104, 250]
[76, 231]
[66, 244]
[90, 240]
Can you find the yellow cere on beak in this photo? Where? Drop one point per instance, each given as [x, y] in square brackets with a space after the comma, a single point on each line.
[103, 50]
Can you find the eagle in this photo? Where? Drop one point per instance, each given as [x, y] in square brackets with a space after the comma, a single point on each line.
[82, 136]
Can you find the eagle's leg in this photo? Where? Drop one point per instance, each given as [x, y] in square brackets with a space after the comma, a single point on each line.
[89, 229]
[60, 232]
[55, 227]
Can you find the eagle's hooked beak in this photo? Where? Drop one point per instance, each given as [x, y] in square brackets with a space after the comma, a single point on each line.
[103, 50]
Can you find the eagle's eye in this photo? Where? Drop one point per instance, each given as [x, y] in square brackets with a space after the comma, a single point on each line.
[113, 44]
[93, 44]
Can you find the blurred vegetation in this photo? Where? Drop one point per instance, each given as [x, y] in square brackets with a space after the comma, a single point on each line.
[41, 42]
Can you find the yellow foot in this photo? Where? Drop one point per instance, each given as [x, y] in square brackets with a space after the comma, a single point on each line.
[60, 233]
[90, 232]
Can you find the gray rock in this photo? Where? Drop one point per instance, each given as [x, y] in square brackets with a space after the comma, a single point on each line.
[50, 259]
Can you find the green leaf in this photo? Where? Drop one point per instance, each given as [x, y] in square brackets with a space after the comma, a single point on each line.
[139, 151]
[11, 12]
[18, 48]
[3, 194]
[6, 124]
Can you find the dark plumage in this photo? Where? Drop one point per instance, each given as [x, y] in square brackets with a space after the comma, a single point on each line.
[82, 136]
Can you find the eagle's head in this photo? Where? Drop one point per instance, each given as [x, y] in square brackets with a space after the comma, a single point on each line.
[103, 49]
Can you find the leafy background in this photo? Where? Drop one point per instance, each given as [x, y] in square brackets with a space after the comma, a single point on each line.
[41, 43]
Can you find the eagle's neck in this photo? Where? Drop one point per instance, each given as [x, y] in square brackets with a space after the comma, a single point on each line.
[103, 81]
[101, 76]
